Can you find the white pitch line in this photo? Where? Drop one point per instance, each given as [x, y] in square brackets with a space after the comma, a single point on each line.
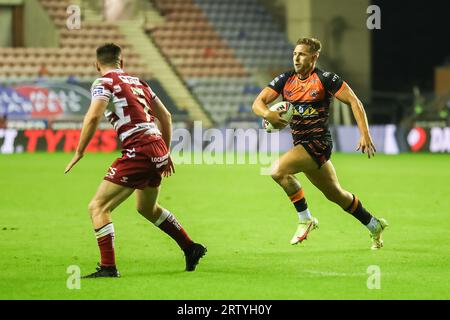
[335, 274]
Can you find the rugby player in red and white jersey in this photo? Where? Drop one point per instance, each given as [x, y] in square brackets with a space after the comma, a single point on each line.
[145, 157]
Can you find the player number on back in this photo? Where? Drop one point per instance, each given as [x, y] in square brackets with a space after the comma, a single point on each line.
[120, 104]
[139, 92]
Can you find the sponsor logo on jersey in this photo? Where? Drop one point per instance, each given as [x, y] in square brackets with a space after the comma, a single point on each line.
[310, 112]
[305, 111]
[131, 153]
[138, 91]
[117, 88]
[98, 91]
[130, 80]
[159, 159]
[327, 74]
[313, 93]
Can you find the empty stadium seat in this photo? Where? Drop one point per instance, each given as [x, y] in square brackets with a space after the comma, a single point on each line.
[76, 54]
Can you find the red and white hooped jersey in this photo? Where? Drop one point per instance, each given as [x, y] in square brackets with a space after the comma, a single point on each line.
[131, 110]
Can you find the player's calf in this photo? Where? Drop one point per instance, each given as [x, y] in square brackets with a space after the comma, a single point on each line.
[357, 210]
[151, 214]
[339, 196]
[100, 214]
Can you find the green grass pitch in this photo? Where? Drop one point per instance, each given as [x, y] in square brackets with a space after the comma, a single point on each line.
[243, 218]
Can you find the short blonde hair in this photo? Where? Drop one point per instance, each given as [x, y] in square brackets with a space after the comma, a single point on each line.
[314, 44]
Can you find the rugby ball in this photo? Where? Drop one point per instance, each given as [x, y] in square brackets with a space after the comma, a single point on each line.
[285, 106]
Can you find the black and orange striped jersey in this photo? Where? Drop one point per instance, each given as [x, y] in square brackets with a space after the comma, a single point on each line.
[311, 98]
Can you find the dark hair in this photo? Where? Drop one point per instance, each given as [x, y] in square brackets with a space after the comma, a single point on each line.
[109, 54]
[314, 44]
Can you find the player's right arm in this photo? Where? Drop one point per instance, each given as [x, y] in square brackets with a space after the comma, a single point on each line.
[101, 92]
[165, 126]
[260, 108]
[347, 96]
[165, 120]
[90, 125]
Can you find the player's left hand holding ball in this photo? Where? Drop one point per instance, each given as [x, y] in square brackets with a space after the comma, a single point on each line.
[77, 157]
[366, 145]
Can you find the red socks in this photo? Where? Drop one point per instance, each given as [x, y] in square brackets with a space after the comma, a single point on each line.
[169, 224]
[166, 222]
[105, 240]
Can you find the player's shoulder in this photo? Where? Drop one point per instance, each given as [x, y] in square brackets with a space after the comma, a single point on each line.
[326, 76]
[332, 82]
[282, 78]
[131, 79]
[285, 75]
[112, 76]
[102, 81]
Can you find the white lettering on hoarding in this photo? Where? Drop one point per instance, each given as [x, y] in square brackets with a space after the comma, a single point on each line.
[440, 139]
[8, 143]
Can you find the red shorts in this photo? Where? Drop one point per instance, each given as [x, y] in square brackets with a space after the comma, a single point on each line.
[140, 166]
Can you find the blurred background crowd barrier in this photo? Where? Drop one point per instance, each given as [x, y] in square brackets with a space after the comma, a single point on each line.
[207, 60]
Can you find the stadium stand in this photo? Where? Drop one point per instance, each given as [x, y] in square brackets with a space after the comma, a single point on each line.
[73, 60]
[191, 44]
[74, 56]
[251, 31]
[218, 52]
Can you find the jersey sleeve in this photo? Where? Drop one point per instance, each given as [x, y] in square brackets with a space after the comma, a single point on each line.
[332, 82]
[278, 83]
[152, 93]
[102, 89]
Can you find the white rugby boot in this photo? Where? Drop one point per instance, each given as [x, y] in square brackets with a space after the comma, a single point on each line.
[303, 229]
[377, 241]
